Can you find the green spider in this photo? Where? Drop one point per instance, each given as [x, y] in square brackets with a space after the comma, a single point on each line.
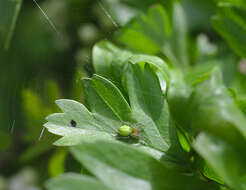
[129, 133]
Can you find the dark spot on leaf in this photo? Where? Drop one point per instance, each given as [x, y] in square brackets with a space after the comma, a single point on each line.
[73, 123]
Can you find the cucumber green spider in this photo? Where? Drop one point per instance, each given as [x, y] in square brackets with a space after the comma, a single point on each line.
[129, 133]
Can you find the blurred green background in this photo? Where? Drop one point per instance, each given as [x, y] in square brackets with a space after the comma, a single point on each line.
[39, 64]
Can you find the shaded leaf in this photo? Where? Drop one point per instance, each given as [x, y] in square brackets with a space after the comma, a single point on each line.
[75, 182]
[147, 32]
[179, 35]
[150, 108]
[113, 98]
[56, 164]
[9, 10]
[153, 33]
[108, 60]
[226, 160]
[207, 106]
[122, 167]
[99, 108]
[125, 10]
[157, 64]
[230, 23]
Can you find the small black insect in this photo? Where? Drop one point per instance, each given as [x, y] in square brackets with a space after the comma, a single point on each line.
[73, 123]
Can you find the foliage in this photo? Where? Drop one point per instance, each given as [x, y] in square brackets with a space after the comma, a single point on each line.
[230, 23]
[162, 106]
[192, 129]
[9, 12]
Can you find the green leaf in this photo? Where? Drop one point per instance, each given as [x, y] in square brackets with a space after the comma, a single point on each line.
[241, 102]
[9, 10]
[217, 110]
[122, 12]
[179, 35]
[210, 174]
[207, 106]
[153, 34]
[123, 167]
[125, 10]
[230, 23]
[73, 136]
[147, 33]
[87, 128]
[198, 14]
[72, 181]
[73, 111]
[198, 73]
[106, 104]
[113, 98]
[56, 164]
[108, 60]
[226, 160]
[150, 108]
[99, 108]
[34, 110]
[157, 64]
[52, 91]
[178, 99]
[108, 112]
[77, 91]
[238, 3]
[87, 136]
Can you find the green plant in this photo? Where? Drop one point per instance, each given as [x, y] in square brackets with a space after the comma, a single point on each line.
[193, 133]
[9, 14]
